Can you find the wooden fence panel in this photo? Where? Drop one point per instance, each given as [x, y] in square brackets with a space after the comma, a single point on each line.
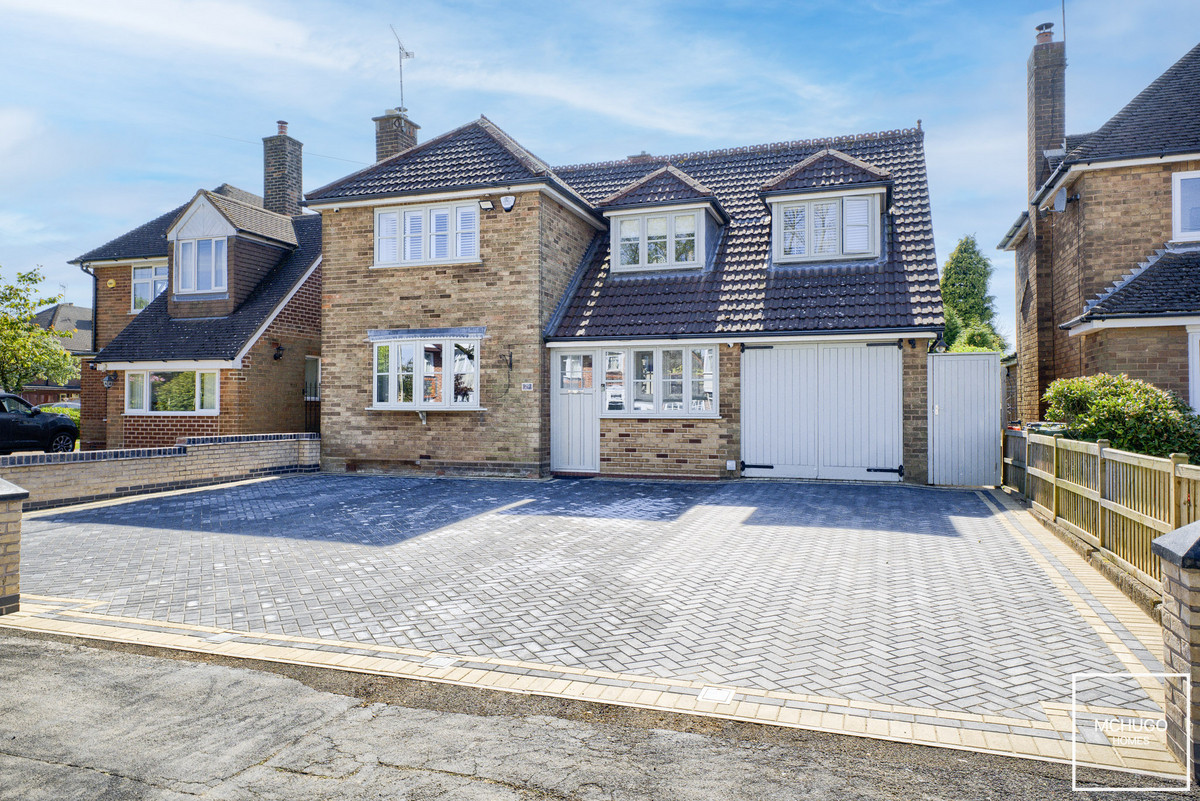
[1014, 460]
[1189, 493]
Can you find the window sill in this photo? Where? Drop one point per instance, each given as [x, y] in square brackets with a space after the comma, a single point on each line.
[655, 268]
[449, 263]
[793, 261]
[216, 294]
[426, 409]
[136, 413]
[658, 416]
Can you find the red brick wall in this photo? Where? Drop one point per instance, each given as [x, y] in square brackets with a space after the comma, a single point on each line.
[1155, 355]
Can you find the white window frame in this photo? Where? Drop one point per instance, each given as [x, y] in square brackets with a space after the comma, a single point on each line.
[418, 403]
[1177, 232]
[316, 397]
[670, 212]
[154, 276]
[658, 381]
[779, 204]
[458, 254]
[147, 411]
[181, 266]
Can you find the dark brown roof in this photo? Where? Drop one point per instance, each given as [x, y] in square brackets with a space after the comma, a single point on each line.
[154, 336]
[1168, 284]
[69, 317]
[250, 219]
[826, 168]
[149, 240]
[743, 293]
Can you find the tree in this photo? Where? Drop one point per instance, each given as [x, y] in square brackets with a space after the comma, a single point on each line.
[964, 294]
[28, 351]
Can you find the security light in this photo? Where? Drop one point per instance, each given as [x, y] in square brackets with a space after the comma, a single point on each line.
[486, 205]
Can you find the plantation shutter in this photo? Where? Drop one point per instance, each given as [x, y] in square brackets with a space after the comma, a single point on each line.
[439, 229]
[856, 225]
[467, 233]
[387, 228]
[414, 230]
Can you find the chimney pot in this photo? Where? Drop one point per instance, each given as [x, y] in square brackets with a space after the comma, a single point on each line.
[282, 127]
[1045, 34]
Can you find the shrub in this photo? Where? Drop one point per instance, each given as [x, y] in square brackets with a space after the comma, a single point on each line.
[72, 413]
[1132, 415]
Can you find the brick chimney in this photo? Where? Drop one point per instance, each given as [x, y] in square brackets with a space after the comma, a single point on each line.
[1046, 121]
[394, 132]
[283, 173]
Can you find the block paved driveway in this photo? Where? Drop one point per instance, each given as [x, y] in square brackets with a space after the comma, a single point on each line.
[891, 594]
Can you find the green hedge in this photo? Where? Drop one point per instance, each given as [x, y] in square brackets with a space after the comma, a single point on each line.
[1132, 415]
[72, 413]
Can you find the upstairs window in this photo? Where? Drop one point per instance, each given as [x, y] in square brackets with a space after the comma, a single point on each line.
[657, 241]
[1186, 200]
[426, 374]
[427, 234]
[824, 228]
[148, 284]
[200, 266]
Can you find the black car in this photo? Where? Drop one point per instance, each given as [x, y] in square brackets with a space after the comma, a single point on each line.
[24, 428]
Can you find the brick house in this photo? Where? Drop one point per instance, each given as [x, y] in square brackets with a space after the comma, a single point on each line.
[1108, 251]
[767, 312]
[207, 318]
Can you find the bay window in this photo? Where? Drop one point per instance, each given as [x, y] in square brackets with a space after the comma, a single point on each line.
[426, 374]
[171, 392]
[200, 266]
[427, 234]
[148, 283]
[825, 227]
[659, 382]
[663, 241]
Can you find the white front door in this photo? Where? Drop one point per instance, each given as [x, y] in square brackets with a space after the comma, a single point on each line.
[574, 412]
[822, 411]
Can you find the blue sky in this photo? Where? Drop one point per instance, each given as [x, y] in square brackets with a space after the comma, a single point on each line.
[112, 113]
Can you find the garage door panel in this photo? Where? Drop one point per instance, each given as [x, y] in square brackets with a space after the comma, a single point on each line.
[822, 411]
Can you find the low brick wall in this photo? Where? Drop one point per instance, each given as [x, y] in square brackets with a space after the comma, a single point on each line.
[11, 498]
[59, 479]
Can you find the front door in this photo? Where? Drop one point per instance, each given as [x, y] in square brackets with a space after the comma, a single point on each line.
[574, 413]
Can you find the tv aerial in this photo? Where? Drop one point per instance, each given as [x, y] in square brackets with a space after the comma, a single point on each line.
[402, 55]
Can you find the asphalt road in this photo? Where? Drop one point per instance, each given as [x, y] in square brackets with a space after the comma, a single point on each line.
[86, 722]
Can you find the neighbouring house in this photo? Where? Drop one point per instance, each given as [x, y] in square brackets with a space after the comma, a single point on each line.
[758, 311]
[1108, 250]
[207, 319]
[62, 317]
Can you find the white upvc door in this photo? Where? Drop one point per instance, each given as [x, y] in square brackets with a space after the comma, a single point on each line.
[822, 411]
[965, 419]
[574, 412]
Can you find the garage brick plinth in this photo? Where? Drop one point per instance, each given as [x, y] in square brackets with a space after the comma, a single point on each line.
[11, 499]
[1180, 555]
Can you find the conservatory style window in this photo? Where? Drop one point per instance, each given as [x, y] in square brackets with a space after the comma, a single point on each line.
[426, 374]
[660, 382]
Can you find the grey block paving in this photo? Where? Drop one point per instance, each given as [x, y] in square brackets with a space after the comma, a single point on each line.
[884, 593]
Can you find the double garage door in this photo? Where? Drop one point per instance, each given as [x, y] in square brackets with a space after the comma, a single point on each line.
[822, 411]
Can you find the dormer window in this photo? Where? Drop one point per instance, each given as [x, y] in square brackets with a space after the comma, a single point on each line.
[200, 266]
[1186, 201]
[657, 241]
[826, 226]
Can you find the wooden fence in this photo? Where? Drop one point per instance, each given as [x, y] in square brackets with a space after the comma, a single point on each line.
[1114, 500]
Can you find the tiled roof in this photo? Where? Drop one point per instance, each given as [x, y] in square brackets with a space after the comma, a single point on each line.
[477, 154]
[149, 240]
[1167, 284]
[69, 317]
[743, 293]
[153, 336]
[664, 185]
[1163, 118]
[826, 168]
[253, 219]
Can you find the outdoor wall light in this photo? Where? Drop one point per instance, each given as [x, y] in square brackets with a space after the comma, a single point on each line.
[109, 380]
[507, 202]
[278, 352]
[487, 205]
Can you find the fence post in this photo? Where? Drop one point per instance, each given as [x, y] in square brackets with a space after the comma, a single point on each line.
[1054, 483]
[1101, 445]
[1176, 460]
[1026, 465]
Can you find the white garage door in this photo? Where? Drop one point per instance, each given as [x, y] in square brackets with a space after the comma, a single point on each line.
[822, 411]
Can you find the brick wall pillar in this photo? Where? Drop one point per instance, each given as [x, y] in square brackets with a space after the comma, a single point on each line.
[11, 498]
[1180, 555]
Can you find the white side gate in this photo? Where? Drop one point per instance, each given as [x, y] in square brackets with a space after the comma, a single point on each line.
[965, 419]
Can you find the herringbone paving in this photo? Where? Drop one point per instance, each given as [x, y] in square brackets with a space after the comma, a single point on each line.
[891, 594]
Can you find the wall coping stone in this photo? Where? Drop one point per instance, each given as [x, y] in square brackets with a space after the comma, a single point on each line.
[179, 449]
[185, 441]
[1181, 547]
[11, 492]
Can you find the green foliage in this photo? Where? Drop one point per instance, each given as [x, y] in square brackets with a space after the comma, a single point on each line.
[28, 351]
[969, 309]
[1132, 415]
[72, 413]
